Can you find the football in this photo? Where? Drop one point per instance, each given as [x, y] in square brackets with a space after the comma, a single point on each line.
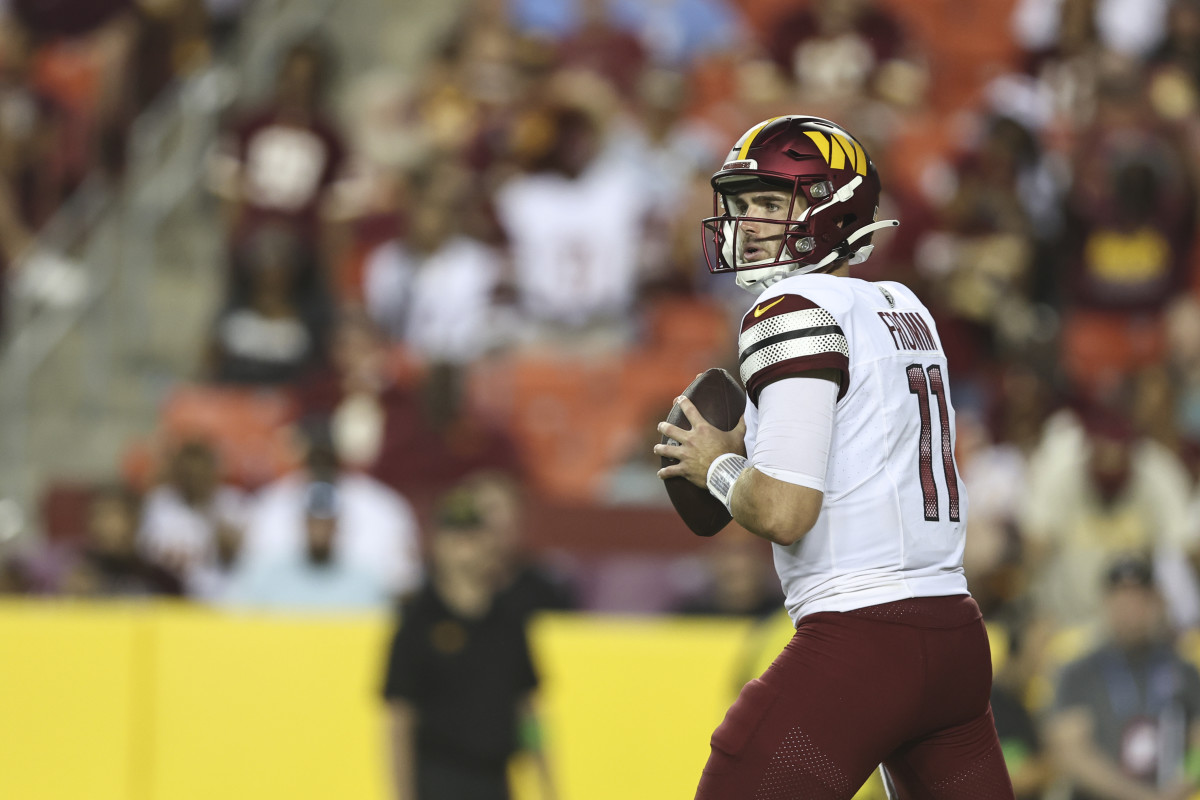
[720, 400]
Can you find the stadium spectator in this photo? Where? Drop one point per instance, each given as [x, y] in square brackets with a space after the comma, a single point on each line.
[1175, 65]
[316, 581]
[460, 680]
[376, 528]
[994, 474]
[1183, 361]
[419, 436]
[1024, 753]
[1130, 229]
[281, 162]
[433, 288]
[574, 224]
[356, 391]
[980, 262]
[1096, 491]
[1128, 27]
[599, 46]
[741, 581]
[192, 523]
[1126, 717]
[671, 32]
[109, 564]
[845, 52]
[32, 165]
[32, 123]
[524, 582]
[270, 332]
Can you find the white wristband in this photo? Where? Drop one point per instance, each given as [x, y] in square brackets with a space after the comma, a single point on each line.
[723, 473]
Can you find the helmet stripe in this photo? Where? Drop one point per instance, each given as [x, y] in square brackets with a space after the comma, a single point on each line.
[821, 142]
[750, 137]
[837, 152]
[860, 158]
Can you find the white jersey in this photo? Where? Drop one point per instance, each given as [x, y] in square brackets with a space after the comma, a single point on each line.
[893, 521]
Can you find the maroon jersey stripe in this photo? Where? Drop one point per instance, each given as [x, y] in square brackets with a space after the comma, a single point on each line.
[794, 367]
[783, 304]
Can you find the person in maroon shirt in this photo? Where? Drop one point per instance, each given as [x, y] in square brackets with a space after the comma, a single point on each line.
[416, 437]
[280, 162]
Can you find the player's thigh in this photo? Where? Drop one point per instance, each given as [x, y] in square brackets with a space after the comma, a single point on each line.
[817, 723]
[768, 749]
[963, 762]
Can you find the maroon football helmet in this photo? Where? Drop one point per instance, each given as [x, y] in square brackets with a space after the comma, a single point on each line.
[834, 192]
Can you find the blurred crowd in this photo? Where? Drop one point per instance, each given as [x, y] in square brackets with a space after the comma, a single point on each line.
[74, 75]
[490, 275]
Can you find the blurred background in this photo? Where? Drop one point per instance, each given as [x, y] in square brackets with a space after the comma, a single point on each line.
[277, 275]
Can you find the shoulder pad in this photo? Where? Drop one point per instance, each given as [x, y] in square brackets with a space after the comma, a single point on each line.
[788, 335]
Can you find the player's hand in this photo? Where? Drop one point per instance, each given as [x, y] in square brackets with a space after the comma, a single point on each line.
[698, 447]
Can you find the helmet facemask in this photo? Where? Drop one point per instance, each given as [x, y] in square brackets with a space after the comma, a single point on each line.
[800, 249]
[808, 194]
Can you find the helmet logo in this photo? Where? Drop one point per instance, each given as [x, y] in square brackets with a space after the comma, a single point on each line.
[749, 163]
[837, 149]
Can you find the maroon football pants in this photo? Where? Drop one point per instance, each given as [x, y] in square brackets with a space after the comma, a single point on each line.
[905, 684]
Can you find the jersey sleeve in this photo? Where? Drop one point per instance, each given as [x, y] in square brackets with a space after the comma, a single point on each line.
[787, 335]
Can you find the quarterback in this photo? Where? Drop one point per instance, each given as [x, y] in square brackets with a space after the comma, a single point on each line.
[844, 460]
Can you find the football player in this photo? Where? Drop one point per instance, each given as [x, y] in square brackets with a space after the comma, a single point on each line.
[844, 459]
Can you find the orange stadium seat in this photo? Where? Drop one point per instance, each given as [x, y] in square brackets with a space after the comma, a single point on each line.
[695, 326]
[563, 415]
[574, 421]
[1099, 349]
[249, 427]
[967, 44]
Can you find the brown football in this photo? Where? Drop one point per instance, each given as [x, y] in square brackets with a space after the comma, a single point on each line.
[720, 400]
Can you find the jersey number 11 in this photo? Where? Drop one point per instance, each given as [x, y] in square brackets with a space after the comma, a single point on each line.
[918, 386]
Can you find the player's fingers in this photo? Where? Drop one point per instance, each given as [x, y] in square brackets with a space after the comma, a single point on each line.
[673, 431]
[668, 450]
[673, 471]
[692, 413]
[740, 428]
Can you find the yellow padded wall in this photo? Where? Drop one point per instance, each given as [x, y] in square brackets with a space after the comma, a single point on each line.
[249, 707]
[69, 701]
[170, 702]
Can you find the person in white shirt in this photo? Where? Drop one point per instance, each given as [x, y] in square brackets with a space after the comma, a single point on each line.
[845, 461]
[315, 580]
[575, 228]
[192, 523]
[377, 529]
[433, 288]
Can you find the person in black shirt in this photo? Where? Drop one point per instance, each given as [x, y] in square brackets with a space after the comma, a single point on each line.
[524, 581]
[460, 679]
